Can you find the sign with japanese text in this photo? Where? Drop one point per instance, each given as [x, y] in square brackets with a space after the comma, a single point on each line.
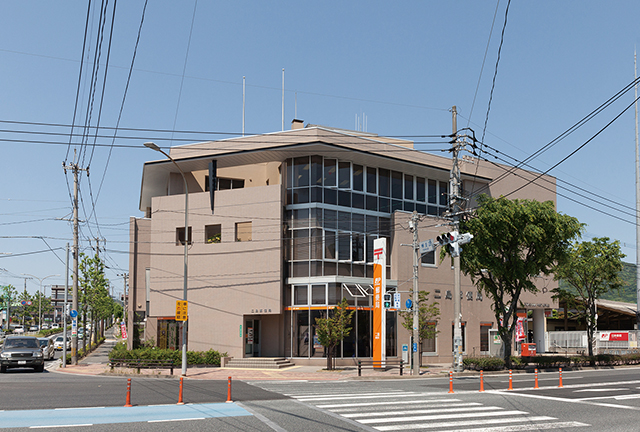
[181, 310]
[614, 336]
[379, 287]
[123, 330]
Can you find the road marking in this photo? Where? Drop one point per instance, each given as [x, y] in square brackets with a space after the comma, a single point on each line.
[600, 390]
[175, 420]
[422, 411]
[79, 408]
[440, 417]
[367, 404]
[369, 396]
[519, 428]
[440, 406]
[60, 426]
[332, 395]
[558, 399]
[463, 423]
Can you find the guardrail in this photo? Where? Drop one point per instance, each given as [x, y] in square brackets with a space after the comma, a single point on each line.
[380, 364]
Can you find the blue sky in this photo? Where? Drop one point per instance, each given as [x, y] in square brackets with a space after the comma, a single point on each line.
[401, 64]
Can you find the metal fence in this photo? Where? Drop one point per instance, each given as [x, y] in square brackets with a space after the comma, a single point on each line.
[576, 341]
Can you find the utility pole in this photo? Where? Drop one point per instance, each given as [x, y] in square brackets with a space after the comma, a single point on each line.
[455, 207]
[74, 302]
[64, 312]
[413, 224]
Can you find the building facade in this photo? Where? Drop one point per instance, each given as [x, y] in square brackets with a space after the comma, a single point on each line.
[281, 229]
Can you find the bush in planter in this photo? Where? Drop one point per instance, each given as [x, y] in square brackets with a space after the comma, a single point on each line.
[483, 363]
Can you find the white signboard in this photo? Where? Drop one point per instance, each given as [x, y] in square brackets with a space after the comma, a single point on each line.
[396, 300]
[427, 246]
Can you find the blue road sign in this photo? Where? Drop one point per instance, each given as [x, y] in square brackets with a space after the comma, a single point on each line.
[408, 303]
[73, 313]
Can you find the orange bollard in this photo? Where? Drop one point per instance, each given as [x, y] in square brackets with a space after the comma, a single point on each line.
[229, 390]
[536, 386]
[450, 382]
[180, 402]
[481, 381]
[510, 381]
[560, 385]
[128, 402]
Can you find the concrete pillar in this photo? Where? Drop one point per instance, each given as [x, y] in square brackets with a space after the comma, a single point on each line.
[539, 329]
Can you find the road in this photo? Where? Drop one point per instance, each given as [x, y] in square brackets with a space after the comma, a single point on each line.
[589, 400]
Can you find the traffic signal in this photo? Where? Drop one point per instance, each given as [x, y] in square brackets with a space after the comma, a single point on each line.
[387, 301]
[465, 238]
[447, 238]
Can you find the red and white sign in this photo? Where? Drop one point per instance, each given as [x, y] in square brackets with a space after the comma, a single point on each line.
[123, 330]
[614, 336]
[520, 336]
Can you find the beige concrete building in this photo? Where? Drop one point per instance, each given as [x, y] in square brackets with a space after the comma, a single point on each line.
[281, 228]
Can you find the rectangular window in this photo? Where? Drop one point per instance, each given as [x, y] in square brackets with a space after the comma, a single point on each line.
[329, 245]
[318, 294]
[243, 231]
[316, 244]
[420, 189]
[224, 184]
[357, 244]
[316, 170]
[329, 172]
[408, 187]
[300, 295]
[301, 171]
[429, 344]
[384, 182]
[330, 219]
[344, 175]
[344, 246]
[432, 193]
[429, 258]
[213, 233]
[444, 195]
[180, 236]
[300, 218]
[358, 177]
[300, 245]
[396, 184]
[484, 336]
[372, 180]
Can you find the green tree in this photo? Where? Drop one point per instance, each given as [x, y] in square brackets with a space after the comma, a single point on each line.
[26, 312]
[428, 313]
[515, 241]
[333, 329]
[592, 270]
[96, 302]
[8, 296]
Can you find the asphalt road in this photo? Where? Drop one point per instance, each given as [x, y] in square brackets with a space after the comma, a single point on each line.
[589, 400]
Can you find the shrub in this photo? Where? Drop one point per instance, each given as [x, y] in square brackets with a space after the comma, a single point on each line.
[483, 363]
[210, 357]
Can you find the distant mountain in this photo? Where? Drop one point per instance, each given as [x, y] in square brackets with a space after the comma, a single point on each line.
[627, 293]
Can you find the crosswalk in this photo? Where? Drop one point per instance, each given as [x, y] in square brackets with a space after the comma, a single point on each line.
[398, 410]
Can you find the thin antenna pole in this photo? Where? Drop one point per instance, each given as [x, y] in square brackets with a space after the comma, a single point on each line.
[635, 73]
[243, 93]
[295, 112]
[282, 98]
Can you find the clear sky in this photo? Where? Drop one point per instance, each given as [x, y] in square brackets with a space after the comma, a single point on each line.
[400, 65]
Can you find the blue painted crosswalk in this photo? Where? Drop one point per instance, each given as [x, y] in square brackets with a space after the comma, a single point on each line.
[105, 415]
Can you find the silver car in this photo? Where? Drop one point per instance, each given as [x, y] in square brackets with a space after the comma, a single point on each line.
[21, 352]
[48, 350]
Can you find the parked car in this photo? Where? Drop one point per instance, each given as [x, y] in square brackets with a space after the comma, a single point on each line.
[45, 327]
[58, 343]
[46, 344]
[33, 328]
[55, 326]
[18, 329]
[21, 351]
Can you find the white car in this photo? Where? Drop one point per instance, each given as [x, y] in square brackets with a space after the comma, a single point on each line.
[55, 326]
[18, 329]
[58, 343]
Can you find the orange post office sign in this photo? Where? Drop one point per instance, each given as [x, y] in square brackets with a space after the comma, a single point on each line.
[181, 310]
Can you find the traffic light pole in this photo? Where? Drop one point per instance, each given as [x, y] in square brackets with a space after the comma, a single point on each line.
[454, 206]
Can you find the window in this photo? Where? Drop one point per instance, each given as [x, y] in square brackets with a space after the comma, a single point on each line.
[224, 183]
[371, 180]
[344, 175]
[408, 187]
[300, 295]
[484, 336]
[429, 258]
[429, 344]
[180, 236]
[318, 294]
[396, 184]
[358, 177]
[329, 172]
[243, 231]
[213, 233]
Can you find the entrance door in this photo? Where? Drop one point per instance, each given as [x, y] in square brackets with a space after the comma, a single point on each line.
[252, 338]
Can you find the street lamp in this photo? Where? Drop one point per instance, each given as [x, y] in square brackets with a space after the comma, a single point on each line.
[40, 296]
[153, 146]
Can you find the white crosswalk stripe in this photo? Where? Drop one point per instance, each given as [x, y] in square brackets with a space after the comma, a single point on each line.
[397, 410]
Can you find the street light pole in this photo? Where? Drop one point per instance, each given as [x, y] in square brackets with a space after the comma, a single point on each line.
[40, 296]
[153, 146]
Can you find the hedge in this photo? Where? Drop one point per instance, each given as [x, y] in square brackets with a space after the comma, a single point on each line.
[211, 357]
[494, 363]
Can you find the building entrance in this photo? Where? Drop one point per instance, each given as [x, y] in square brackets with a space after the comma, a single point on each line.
[252, 337]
